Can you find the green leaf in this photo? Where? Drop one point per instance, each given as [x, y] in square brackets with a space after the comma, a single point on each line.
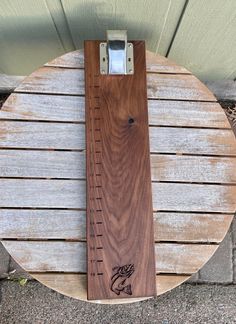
[22, 281]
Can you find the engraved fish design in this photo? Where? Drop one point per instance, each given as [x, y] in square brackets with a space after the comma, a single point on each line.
[119, 278]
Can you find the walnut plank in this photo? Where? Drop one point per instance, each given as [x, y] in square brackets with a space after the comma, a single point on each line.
[71, 225]
[117, 137]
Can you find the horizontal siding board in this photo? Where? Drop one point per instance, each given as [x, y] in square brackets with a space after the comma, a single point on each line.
[159, 86]
[71, 256]
[72, 136]
[71, 225]
[21, 106]
[28, 36]
[205, 41]
[90, 20]
[71, 165]
[71, 194]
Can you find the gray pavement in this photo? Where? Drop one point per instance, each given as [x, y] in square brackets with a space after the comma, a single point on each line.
[189, 303]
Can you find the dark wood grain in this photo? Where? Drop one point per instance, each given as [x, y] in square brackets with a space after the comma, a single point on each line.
[120, 253]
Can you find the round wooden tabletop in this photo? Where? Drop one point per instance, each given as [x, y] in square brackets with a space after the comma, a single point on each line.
[42, 170]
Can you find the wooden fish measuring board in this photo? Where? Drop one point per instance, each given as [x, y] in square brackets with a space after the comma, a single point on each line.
[120, 249]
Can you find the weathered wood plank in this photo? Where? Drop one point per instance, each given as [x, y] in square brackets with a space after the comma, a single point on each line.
[154, 62]
[190, 140]
[193, 169]
[194, 197]
[71, 194]
[71, 225]
[174, 87]
[186, 113]
[72, 60]
[75, 285]
[71, 165]
[42, 135]
[190, 227]
[160, 86]
[72, 136]
[71, 256]
[42, 164]
[21, 106]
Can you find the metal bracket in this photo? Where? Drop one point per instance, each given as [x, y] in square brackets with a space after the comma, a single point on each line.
[116, 56]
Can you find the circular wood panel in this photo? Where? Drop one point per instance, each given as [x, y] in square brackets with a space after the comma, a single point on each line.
[42, 159]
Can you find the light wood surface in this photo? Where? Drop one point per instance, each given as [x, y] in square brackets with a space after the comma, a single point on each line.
[42, 169]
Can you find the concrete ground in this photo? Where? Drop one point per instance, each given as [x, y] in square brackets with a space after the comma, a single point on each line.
[189, 303]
